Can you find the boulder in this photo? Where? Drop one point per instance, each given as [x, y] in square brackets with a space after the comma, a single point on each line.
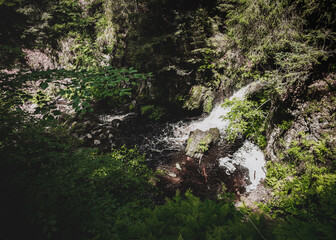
[200, 142]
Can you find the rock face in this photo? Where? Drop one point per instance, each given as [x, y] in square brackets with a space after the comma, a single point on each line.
[200, 142]
[310, 122]
[201, 98]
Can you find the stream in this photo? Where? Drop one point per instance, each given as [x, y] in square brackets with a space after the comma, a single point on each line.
[240, 165]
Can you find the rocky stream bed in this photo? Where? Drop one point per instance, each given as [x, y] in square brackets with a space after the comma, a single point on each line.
[190, 154]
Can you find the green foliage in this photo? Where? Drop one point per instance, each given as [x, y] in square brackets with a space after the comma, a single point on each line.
[80, 87]
[190, 218]
[206, 63]
[285, 124]
[284, 40]
[44, 24]
[246, 117]
[304, 183]
[10, 55]
[153, 112]
[295, 228]
[203, 144]
[52, 189]
[86, 54]
[208, 59]
[289, 44]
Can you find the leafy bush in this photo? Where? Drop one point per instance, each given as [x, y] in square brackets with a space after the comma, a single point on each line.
[304, 183]
[246, 117]
[190, 218]
[80, 87]
[285, 40]
[52, 189]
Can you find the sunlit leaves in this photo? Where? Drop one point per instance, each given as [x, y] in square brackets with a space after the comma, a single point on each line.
[80, 87]
[246, 117]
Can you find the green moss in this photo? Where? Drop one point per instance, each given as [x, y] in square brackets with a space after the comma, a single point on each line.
[200, 96]
[207, 106]
[194, 102]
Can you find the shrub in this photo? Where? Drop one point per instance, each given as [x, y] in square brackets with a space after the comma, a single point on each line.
[189, 218]
[246, 117]
[52, 189]
[81, 87]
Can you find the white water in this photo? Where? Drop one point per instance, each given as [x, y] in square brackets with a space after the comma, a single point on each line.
[106, 118]
[181, 130]
[175, 136]
[248, 156]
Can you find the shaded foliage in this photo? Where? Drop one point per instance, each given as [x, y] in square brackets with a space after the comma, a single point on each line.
[51, 188]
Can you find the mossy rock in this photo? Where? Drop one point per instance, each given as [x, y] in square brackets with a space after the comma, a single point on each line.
[200, 98]
[200, 142]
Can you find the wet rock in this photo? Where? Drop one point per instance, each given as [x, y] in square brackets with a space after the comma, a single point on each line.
[312, 121]
[116, 123]
[102, 136]
[94, 133]
[172, 175]
[178, 167]
[200, 142]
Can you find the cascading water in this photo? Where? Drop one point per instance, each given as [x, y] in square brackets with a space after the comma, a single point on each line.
[248, 155]
[164, 143]
[214, 120]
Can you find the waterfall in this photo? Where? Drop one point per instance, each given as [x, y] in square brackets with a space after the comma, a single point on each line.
[162, 142]
[213, 120]
[248, 155]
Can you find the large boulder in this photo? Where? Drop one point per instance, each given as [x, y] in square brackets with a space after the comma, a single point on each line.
[200, 142]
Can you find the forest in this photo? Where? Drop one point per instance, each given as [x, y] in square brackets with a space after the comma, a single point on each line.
[168, 119]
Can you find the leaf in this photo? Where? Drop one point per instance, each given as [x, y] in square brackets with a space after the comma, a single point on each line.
[85, 104]
[76, 102]
[57, 112]
[48, 118]
[44, 85]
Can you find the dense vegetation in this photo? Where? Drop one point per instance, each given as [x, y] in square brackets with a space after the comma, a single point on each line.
[187, 53]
